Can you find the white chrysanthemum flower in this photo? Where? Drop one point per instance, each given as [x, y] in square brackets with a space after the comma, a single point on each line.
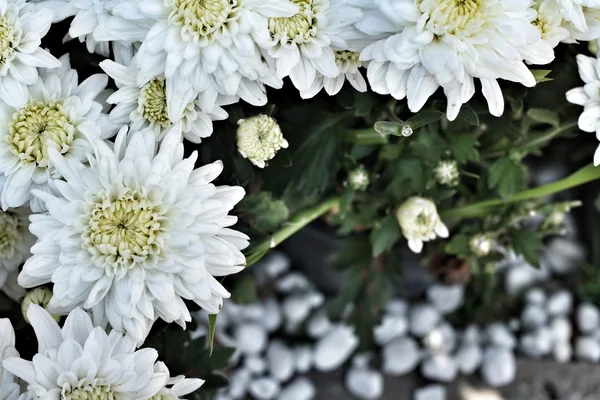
[177, 386]
[135, 233]
[15, 243]
[348, 65]
[449, 43]
[446, 173]
[420, 222]
[48, 116]
[9, 386]
[83, 362]
[588, 96]
[146, 105]
[206, 45]
[259, 138]
[305, 44]
[582, 14]
[549, 21]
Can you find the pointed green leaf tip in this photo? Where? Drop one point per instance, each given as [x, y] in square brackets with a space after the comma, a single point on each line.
[212, 326]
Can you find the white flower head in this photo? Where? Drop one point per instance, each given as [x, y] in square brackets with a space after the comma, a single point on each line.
[40, 296]
[83, 362]
[22, 26]
[583, 16]
[146, 105]
[588, 96]
[429, 44]
[177, 386]
[135, 233]
[15, 243]
[348, 65]
[305, 45]
[9, 385]
[446, 173]
[480, 245]
[48, 116]
[550, 22]
[420, 222]
[259, 138]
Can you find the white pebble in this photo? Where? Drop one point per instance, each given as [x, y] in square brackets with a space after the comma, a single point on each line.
[318, 325]
[471, 335]
[587, 349]
[296, 308]
[537, 343]
[281, 361]
[334, 348]
[264, 388]
[588, 317]
[441, 339]
[250, 338]
[252, 312]
[560, 303]
[431, 392]
[300, 388]
[275, 264]
[255, 364]
[293, 281]
[398, 307]
[303, 358]
[362, 360]
[468, 358]
[522, 275]
[533, 316]
[446, 298]
[498, 334]
[439, 367]
[536, 296]
[499, 366]
[561, 329]
[272, 317]
[422, 319]
[400, 356]
[391, 327]
[563, 254]
[562, 351]
[364, 383]
[238, 383]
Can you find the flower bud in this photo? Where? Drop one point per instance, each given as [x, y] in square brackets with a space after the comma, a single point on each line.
[40, 296]
[259, 138]
[480, 245]
[446, 173]
[420, 222]
[358, 179]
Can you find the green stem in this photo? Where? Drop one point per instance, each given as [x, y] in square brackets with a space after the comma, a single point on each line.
[533, 142]
[584, 175]
[297, 222]
[366, 136]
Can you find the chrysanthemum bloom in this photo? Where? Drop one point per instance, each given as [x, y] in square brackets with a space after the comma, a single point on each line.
[177, 386]
[550, 22]
[15, 243]
[588, 96]
[583, 16]
[448, 43]
[22, 27]
[83, 362]
[146, 105]
[9, 387]
[305, 43]
[348, 65]
[420, 222]
[48, 116]
[135, 233]
[259, 138]
[215, 45]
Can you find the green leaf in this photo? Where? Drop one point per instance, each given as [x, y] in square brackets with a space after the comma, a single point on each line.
[544, 116]
[346, 200]
[265, 213]
[506, 176]
[463, 147]
[540, 75]
[469, 115]
[407, 176]
[459, 245]
[424, 118]
[212, 326]
[385, 235]
[527, 243]
[244, 290]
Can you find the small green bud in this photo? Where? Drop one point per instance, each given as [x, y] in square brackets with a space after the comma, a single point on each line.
[446, 173]
[358, 179]
[259, 138]
[480, 245]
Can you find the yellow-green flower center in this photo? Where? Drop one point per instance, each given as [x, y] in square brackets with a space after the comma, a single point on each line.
[89, 392]
[35, 127]
[9, 40]
[124, 228]
[201, 20]
[298, 28]
[10, 235]
[450, 16]
[153, 102]
[542, 25]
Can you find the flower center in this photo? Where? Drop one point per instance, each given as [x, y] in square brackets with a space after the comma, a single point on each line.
[347, 60]
[89, 392]
[542, 25]
[153, 102]
[423, 220]
[9, 234]
[298, 28]
[451, 16]
[9, 40]
[201, 20]
[35, 127]
[124, 228]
